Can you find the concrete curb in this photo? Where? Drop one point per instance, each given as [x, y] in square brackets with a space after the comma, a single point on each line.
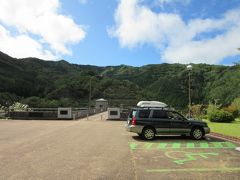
[225, 137]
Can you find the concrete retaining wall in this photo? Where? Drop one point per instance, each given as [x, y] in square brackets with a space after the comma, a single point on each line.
[52, 114]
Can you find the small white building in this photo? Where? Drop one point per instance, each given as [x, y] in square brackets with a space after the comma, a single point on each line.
[101, 104]
[64, 113]
[113, 113]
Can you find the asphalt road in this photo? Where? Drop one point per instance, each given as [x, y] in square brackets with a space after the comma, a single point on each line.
[101, 149]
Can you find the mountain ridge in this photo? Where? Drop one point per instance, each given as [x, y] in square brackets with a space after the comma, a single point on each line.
[41, 83]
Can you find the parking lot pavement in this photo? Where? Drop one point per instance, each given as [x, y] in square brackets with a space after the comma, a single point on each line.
[96, 148]
[170, 157]
[86, 149]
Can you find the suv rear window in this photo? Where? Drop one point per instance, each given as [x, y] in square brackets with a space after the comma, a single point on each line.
[132, 113]
[159, 114]
[143, 113]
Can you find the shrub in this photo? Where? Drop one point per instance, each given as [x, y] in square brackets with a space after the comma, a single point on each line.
[197, 111]
[236, 104]
[212, 108]
[17, 106]
[221, 116]
[231, 109]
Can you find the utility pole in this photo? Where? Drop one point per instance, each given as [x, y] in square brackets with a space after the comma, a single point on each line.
[90, 94]
[189, 68]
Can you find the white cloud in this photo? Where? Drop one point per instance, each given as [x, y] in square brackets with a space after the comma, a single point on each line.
[41, 19]
[22, 46]
[137, 24]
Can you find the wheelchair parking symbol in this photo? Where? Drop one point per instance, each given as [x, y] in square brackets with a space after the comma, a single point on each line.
[187, 156]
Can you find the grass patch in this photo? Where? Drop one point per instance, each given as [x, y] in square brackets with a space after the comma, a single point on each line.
[231, 129]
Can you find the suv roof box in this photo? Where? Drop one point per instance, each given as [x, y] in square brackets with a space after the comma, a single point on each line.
[151, 104]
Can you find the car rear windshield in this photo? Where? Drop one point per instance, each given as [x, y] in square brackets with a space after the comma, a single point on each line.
[144, 113]
[132, 113]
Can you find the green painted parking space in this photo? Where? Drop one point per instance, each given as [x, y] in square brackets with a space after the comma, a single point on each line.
[185, 158]
[162, 145]
[204, 145]
[178, 145]
[194, 170]
[190, 145]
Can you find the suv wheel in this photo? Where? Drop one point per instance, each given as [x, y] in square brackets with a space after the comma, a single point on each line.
[197, 133]
[148, 133]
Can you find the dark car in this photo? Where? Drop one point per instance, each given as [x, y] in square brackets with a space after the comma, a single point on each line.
[148, 122]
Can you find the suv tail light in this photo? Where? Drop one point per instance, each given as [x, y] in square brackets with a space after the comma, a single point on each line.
[134, 121]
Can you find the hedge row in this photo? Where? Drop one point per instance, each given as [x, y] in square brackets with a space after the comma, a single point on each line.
[221, 116]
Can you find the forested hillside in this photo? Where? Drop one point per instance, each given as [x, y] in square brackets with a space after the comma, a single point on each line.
[40, 83]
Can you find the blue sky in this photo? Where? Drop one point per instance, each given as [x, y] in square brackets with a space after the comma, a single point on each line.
[114, 32]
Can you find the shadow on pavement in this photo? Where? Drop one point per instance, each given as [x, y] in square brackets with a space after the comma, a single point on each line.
[116, 120]
[177, 138]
